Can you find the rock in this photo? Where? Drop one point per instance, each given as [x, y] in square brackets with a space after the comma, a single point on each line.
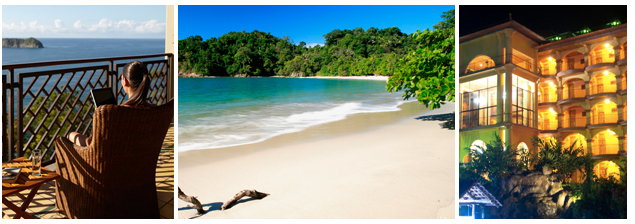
[547, 170]
[297, 74]
[190, 74]
[22, 43]
[531, 194]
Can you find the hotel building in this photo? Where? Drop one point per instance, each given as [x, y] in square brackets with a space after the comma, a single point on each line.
[572, 87]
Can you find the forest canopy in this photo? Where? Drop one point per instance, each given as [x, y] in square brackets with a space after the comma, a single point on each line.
[354, 52]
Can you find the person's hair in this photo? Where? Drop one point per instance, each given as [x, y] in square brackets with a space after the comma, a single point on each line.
[136, 73]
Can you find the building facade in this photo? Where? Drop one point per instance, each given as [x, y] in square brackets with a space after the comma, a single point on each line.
[515, 83]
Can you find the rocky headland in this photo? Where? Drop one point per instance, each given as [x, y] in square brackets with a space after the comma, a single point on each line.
[22, 43]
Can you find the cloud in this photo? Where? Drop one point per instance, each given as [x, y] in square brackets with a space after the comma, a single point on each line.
[103, 26]
[314, 44]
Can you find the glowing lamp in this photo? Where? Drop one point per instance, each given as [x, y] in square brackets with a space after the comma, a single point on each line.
[607, 45]
[607, 101]
[551, 110]
[606, 73]
[550, 59]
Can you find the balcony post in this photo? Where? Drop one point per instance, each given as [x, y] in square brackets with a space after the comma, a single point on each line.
[558, 65]
[20, 109]
[618, 81]
[559, 92]
[500, 103]
[620, 113]
[616, 52]
[586, 59]
[589, 145]
[588, 117]
[560, 118]
[11, 114]
[588, 88]
[508, 93]
[621, 150]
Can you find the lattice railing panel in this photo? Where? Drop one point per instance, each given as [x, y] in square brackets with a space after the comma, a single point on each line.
[58, 102]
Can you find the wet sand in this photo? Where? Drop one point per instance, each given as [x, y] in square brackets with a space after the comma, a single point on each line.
[373, 165]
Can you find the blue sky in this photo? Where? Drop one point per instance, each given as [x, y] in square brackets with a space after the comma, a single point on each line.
[92, 21]
[303, 23]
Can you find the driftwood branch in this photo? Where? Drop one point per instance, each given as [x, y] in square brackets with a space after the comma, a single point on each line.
[193, 200]
[251, 193]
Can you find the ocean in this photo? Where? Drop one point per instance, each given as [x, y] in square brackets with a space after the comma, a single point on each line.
[56, 49]
[224, 111]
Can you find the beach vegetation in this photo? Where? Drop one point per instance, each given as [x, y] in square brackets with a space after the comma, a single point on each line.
[427, 72]
[355, 52]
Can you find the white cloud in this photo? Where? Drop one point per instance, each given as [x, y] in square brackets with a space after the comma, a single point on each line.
[314, 44]
[103, 26]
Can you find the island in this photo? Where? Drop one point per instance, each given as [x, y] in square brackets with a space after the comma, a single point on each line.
[22, 43]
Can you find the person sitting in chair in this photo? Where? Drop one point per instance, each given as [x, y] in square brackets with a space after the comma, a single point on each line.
[136, 83]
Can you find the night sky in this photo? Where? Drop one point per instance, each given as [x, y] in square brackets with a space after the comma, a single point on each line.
[544, 20]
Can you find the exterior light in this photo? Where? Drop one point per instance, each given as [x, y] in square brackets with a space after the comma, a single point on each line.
[607, 101]
[607, 45]
[481, 65]
[606, 72]
[550, 59]
[551, 110]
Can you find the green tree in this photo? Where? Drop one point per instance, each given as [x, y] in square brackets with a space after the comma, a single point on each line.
[427, 73]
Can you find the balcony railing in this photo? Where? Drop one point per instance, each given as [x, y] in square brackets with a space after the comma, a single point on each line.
[568, 66]
[480, 65]
[39, 106]
[546, 70]
[522, 62]
[605, 149]
[548, 98]
[604, 119]
[601, 88]
[574, 122]
[578, 93]
[548, 125]
[623, 53]
[602, 58]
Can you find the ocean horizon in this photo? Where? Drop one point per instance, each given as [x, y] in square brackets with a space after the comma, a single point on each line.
[231, 111]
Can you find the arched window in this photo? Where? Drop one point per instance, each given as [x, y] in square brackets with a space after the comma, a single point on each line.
[479, 63]
[573, 88]
[573, 117]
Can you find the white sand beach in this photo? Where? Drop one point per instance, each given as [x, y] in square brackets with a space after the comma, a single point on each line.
[373, 165]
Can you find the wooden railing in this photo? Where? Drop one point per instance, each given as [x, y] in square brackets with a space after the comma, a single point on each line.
[39, 106]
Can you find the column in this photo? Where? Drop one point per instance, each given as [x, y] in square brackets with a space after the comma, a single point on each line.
[588, 117]
[620, 113]
[500, 103]
[586, 59]
[618, 80]
[616, 50]
[560, 118]
[621, 150]
[508, 93]
[589, 145]
[588, 87]
[558, 65]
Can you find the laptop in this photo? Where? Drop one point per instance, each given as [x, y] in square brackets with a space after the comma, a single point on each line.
[103, 96]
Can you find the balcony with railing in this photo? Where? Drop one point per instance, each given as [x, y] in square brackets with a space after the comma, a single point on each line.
[604, 119]
[522, 62]
[605, 149]
[573, 61]
[602, 55]
[479, 63]
[603, 84]
[574, 122]
[548, 98]
[46, 100]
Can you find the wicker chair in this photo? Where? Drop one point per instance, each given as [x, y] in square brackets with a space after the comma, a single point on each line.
[113, 177]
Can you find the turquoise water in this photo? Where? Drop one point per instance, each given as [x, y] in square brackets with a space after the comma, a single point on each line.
[223, 111]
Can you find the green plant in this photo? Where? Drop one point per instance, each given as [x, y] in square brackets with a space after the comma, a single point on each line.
[427, 73]
[564, 160]
[491, 163]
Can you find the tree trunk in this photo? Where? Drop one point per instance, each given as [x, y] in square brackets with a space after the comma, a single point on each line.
[241, 194]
